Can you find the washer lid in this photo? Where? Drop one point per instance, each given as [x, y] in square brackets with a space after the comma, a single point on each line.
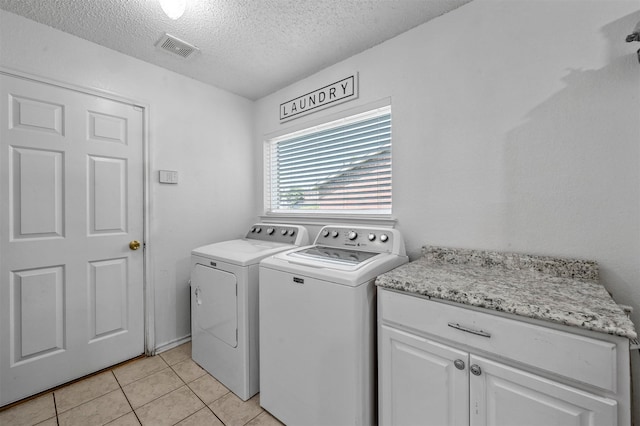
[334, 271]
[241, 252]
[334, 255]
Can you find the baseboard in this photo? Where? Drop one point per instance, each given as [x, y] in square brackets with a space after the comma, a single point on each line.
[170, 345]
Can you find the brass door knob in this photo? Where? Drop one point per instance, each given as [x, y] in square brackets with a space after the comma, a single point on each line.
[134, 245]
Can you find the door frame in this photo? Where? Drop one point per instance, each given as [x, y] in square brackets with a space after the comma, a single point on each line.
[147, 280]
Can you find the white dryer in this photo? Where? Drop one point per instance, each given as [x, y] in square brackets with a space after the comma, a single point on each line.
[224, 303]
[317, 326]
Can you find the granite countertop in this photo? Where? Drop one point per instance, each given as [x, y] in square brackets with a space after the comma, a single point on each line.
[563, 291]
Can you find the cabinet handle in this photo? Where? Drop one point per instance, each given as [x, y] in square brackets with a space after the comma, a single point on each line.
[459, 364]
[475, 370]
[469, 330]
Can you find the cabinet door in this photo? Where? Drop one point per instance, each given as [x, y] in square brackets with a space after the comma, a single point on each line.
[505, 396]
[419, 383]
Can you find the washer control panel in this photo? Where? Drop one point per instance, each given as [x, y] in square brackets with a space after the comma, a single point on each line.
[279, 233]
[380, 240]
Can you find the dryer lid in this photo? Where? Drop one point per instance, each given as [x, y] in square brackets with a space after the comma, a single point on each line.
[241, 252]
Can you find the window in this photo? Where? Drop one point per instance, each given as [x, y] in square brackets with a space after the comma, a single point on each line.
[341, 167]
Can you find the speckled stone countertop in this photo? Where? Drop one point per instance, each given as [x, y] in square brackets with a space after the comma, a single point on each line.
[564, 291]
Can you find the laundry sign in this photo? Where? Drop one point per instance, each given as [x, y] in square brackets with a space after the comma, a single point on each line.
[329, 95]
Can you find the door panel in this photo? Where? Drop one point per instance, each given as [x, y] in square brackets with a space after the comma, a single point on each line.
[36, 193]
[217, 303]
[36, 115]
[107, 128]
[108, 297]
[505, 396]
[38, 326]
[71, 290]
[107, 195]
[419, 383]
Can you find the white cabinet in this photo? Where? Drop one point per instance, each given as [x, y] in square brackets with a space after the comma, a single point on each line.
[502, 395]
[421, 383]
[443, 364]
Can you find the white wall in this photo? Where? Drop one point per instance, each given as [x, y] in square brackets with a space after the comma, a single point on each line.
[202, 132]
[515, 128]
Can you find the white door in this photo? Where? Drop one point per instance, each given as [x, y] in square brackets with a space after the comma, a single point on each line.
[71, 191]
[421, 382]
[216, 308]
[505, 396]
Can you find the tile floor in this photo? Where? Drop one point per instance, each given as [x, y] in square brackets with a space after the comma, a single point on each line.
[167, 389]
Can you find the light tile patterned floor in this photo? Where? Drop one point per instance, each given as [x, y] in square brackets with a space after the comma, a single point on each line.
[167, 389]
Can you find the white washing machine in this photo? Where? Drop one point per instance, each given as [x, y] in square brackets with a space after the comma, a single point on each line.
[317, 326]
[224, 303]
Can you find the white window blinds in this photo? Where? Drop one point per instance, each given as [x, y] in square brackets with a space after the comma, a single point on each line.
[340, 167]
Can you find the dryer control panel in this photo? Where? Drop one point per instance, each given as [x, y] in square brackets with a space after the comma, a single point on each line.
[279, 233]
[379, 240]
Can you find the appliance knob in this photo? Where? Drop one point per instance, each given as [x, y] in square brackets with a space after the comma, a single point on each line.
[384, 238]
[270, 231]
[372, 237]
[353, 235]
[283, 232]
[335, 234]
[325, 233]
[253, 229]
[292, 232]
[258, 230]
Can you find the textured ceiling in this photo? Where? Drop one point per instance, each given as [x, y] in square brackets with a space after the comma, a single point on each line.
[248, 47]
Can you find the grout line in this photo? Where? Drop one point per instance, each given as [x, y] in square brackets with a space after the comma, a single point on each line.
[89, 401]
[159, 396]
[197, 396]
[209, 408]
[55, 407]
[118, 418]
[84, 402]
[151, 373]
[125, 396]
[167, 366]
[251, 419]
[196, 412]
[179, 376]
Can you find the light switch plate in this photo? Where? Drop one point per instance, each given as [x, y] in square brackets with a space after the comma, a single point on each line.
[168, 176]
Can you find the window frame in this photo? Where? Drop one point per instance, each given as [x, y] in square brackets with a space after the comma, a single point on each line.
[335, 121]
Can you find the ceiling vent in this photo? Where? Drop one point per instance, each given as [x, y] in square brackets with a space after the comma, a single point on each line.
[176, 46]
